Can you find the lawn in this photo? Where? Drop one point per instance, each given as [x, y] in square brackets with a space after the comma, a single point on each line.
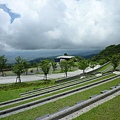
[107, 111]
[57, 92]
[12, 91]
[61, 103]
[104, 68]
[16, 89]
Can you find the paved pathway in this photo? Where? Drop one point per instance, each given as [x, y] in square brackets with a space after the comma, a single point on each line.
[25, 78]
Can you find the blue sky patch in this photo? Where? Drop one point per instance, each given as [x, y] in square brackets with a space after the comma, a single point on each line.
[11, 14]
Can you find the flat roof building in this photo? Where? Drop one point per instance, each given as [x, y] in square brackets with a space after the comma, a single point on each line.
[61, 58]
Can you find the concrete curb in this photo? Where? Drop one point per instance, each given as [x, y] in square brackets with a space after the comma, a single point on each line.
[65, 112]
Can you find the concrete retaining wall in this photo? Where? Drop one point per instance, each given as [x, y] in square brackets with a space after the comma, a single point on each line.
[81, 105]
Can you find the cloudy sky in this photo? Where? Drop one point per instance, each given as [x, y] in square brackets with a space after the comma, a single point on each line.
[58, 24]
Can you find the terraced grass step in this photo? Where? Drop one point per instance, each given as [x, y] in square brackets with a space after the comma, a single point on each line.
[62, 86]
[59, 104]
[69, 112]
[107, 111]
[99, 87]
[56, 92]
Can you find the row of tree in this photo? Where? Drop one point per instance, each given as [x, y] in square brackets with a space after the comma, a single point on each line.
[21, 66]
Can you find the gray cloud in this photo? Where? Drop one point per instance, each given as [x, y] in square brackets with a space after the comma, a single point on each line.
[60, 24]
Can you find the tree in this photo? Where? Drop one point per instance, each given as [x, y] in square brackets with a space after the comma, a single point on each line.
[18, 68]
[54, 65]
[65, 66]
[71, 63]
[45, 66]
[35, 64]
[92, 64]
[115, 61]
[77, 58]
[26, 66]
[102, 61]
[61, 66]
[83, 64]
[65, 54]
[3, 64]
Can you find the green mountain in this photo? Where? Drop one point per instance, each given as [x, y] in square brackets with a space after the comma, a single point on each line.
[107, 53]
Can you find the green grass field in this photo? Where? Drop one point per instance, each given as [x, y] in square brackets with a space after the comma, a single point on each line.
[56, 92]
[12, 91]
[104, 68]
[61, 103]
[107, 111]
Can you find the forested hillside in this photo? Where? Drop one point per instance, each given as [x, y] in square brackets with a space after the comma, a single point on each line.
[107, 53]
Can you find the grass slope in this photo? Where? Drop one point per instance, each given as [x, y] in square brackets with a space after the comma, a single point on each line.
[54, 93]
[107, 111]
[61, 103]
